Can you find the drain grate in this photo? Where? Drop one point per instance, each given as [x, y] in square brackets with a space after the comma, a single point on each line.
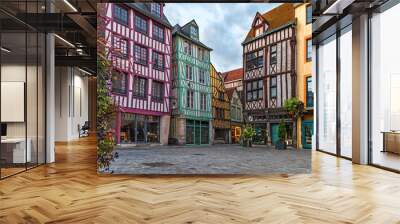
[158, 164]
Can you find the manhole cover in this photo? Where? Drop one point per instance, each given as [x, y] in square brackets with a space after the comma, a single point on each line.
[158, 164]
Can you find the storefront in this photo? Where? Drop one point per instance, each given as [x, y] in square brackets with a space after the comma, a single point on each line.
[197, 132]
[137, 128]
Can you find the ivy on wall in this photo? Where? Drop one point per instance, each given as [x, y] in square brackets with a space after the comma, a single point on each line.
[105, 107]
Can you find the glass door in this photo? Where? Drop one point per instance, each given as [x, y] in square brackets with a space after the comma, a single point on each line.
[140, 129]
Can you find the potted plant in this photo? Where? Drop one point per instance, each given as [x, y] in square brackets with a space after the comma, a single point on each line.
[281, 144]
[248, 133]
[294, 106]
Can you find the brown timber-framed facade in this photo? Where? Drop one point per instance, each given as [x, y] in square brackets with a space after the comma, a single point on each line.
[269, 62]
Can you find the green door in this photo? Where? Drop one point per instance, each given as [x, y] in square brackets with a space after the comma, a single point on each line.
[306, 134]
[274, 133]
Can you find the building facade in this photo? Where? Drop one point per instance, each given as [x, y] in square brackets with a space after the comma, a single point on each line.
[236, 110]
[191, 87]
[305, 124]
[139, 48]
[269, 61]
[221, 108]
[234, 79]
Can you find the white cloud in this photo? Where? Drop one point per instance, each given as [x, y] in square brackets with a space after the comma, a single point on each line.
[222, 26]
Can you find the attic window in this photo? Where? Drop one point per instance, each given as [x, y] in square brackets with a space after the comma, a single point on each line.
[156, 9]
[194, 33]
[259, 31]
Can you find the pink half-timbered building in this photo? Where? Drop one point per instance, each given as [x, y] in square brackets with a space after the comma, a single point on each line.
[139, 47]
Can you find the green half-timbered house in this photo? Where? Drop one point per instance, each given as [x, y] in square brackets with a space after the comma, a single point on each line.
[191, 87]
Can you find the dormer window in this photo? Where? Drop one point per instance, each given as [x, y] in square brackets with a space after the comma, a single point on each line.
[156, 9]
[259, 31]
[194, 32]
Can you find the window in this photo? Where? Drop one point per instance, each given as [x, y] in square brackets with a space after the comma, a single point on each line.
[157, 91]
[254, 60]
[194, 32]
[309, 49]
[158, 61]
[259, 31]
[139, 87]
[140, 55]
[310, 93]
[273, 55]
[156, 9]
[309, 14]
[189, 72]
[158, 33]
[273, 88]
[140, 24]
[203, 101]
[202, 76]
[121, 46]
[187, 47]
[121, 15]
[189, 99]
[119, 82]
[254, 90]
[220, 95]
[200, 54]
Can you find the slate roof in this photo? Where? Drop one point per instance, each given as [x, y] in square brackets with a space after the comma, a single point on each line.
[276, 18]
[145, 9]
[180, 30]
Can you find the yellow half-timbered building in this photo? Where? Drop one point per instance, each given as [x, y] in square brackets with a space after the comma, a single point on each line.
[220, 108]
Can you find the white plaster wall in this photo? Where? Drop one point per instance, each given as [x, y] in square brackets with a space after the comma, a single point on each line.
[71, 87]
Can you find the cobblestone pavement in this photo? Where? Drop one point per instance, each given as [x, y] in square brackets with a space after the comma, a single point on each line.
[214, 159]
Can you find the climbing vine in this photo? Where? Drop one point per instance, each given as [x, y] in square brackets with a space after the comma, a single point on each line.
[105, 107]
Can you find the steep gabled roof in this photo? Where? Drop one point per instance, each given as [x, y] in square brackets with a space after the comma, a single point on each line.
[236, 74]
[144, 8]
[278, 17]
[179, 30]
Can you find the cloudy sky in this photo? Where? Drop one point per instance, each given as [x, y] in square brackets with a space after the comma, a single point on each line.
[222, 27]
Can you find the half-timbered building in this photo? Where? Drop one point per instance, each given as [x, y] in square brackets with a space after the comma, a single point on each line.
[269, 61]
[236, 110]
[191, 87]
[139, 47]
[234, 79]
[220, 108]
